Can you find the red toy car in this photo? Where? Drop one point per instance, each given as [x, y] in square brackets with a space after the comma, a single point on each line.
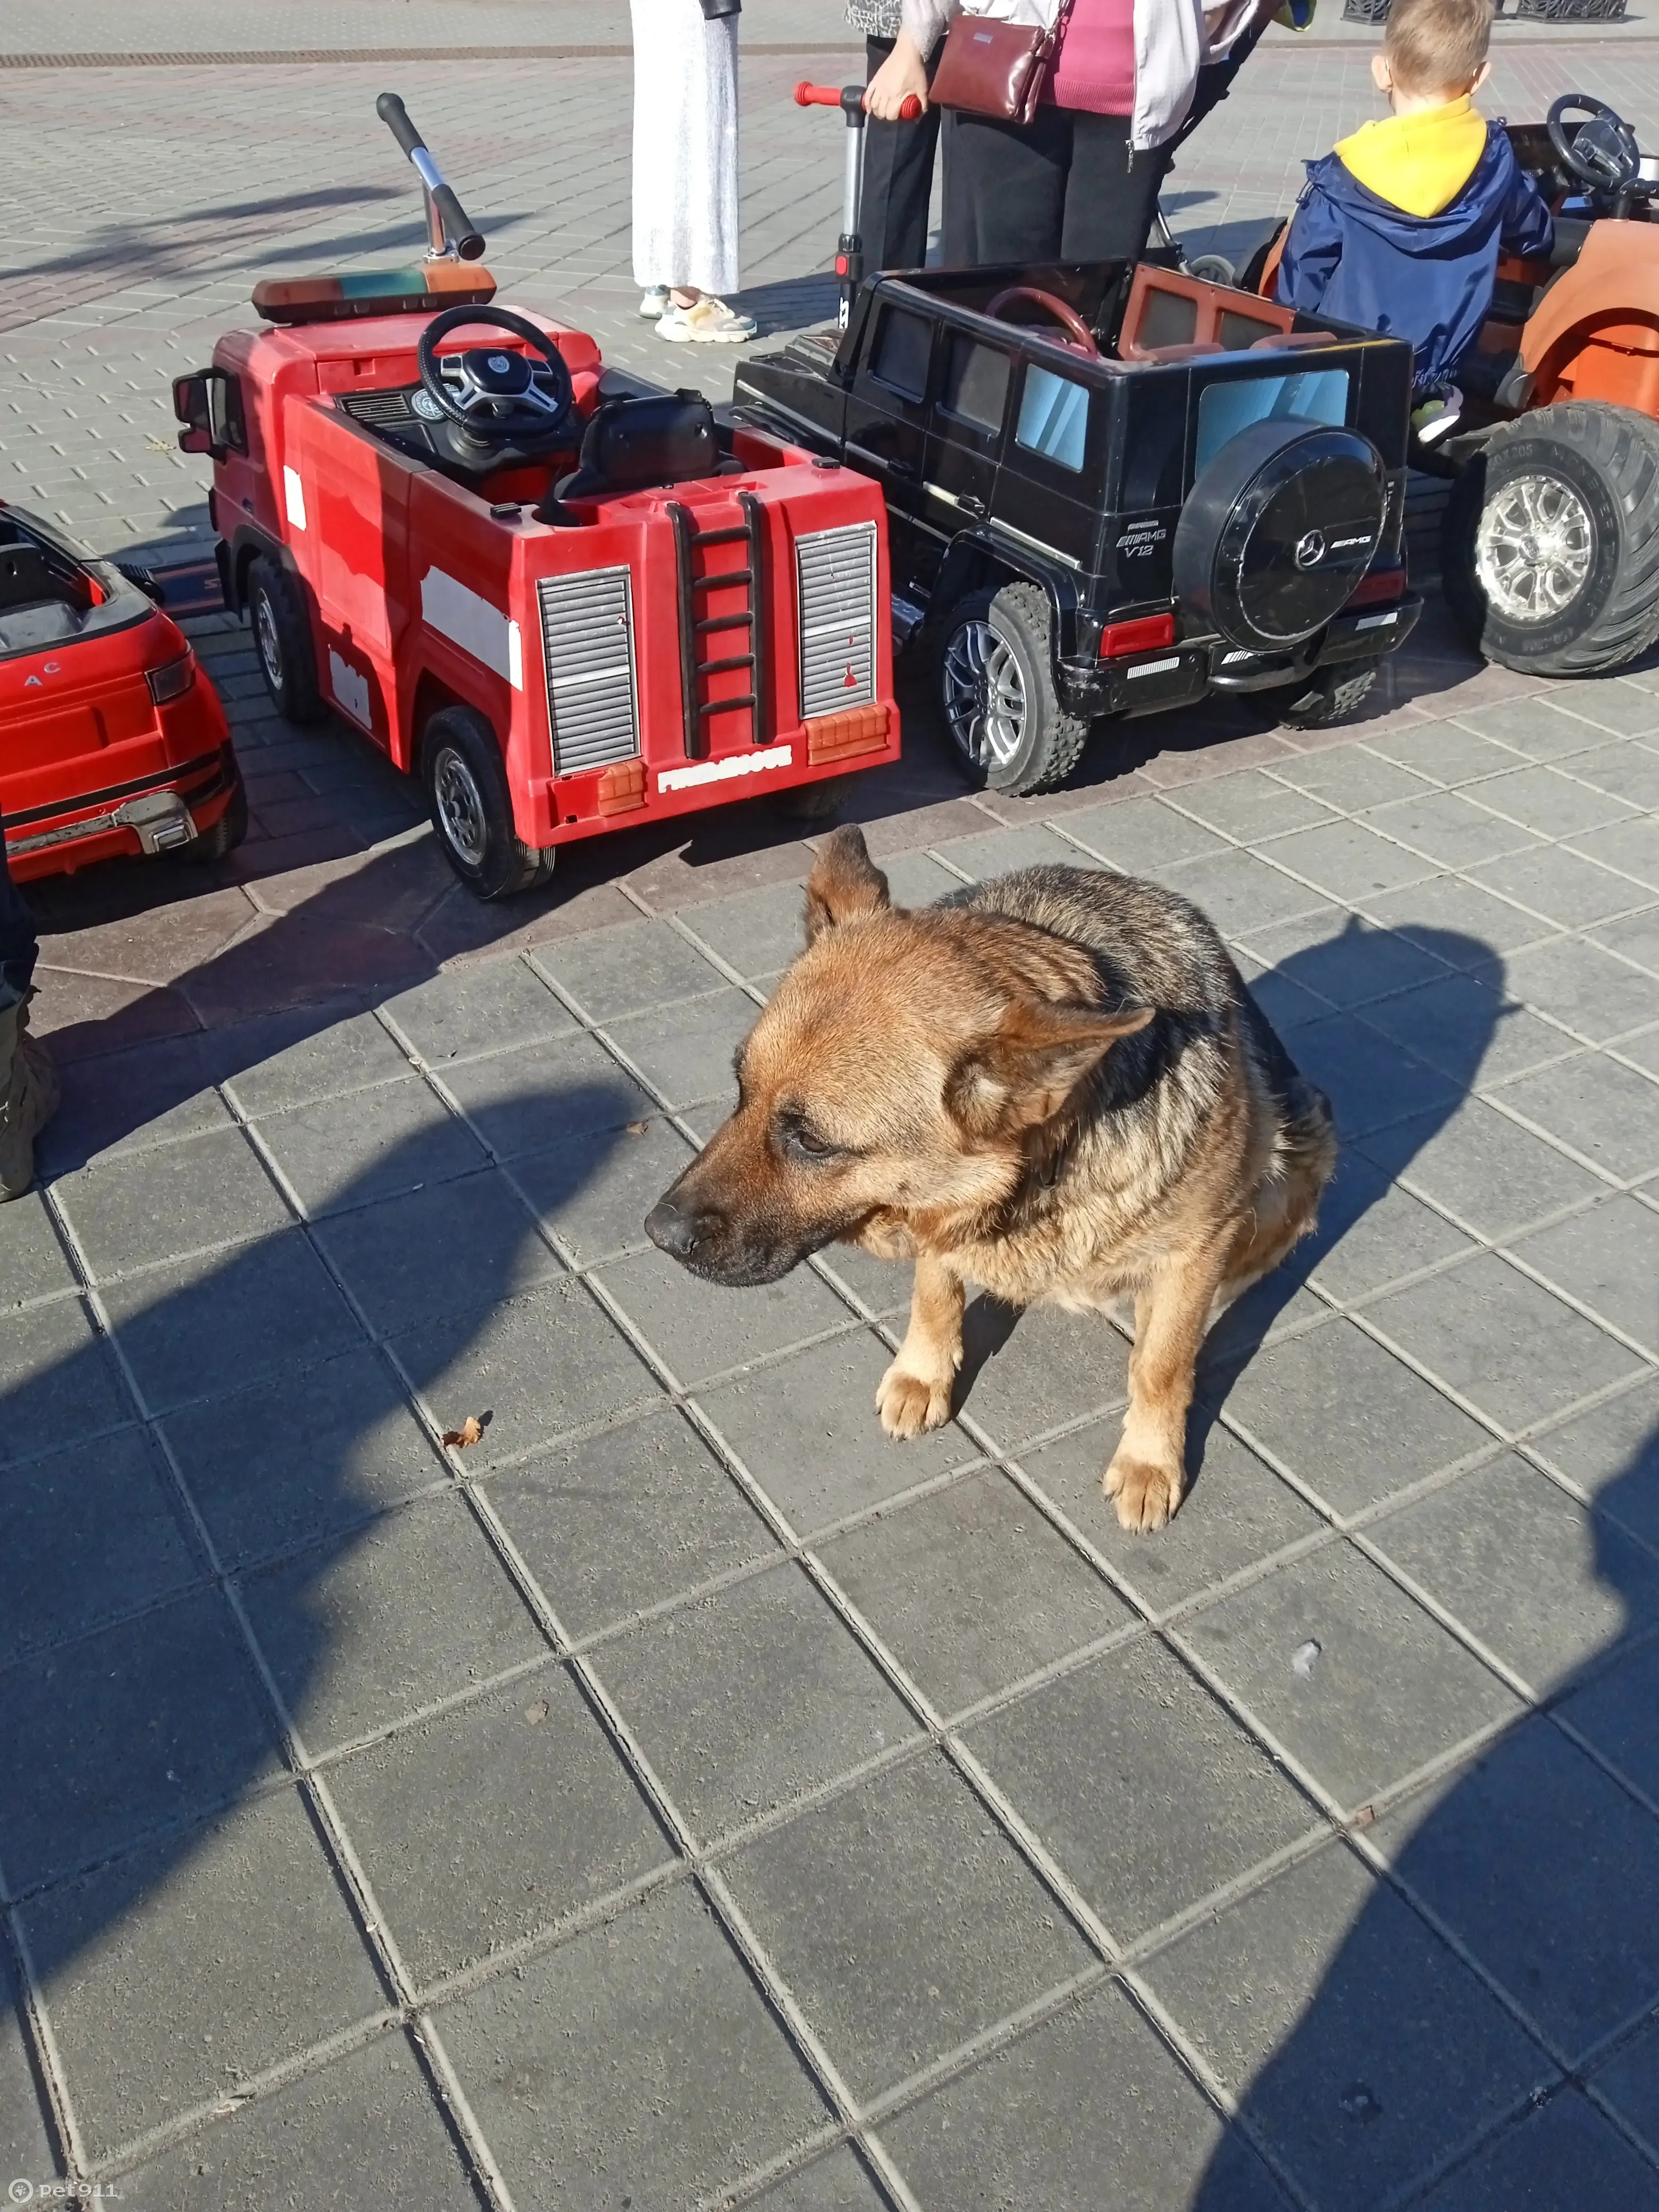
[567, 612]
[113, 740]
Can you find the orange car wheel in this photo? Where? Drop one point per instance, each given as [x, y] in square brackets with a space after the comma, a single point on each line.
[1550, 557]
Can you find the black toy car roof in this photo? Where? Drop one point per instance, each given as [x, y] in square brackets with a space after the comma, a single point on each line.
[1098, 292]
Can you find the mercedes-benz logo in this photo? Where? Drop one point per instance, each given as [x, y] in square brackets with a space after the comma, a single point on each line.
[500, 363]
[1311, 549]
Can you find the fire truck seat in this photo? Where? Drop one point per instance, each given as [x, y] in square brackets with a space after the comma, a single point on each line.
[635, 445]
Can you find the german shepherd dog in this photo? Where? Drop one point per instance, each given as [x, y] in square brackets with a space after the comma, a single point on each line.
[1054, 1084]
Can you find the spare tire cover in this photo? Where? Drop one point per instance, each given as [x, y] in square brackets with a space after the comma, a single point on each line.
[1278, 531]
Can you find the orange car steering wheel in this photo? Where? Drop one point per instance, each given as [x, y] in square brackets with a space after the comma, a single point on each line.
[1079, 337]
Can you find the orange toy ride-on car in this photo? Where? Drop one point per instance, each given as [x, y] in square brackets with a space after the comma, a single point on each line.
[112, 740]
[567, 612]
[1550, 540]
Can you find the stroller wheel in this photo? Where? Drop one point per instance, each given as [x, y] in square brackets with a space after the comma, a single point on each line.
[1213, 269]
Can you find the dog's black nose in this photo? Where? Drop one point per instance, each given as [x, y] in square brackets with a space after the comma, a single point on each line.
[672, 1232]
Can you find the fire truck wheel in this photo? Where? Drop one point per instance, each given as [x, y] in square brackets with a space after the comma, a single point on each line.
[226, 833]
[816, 802]
[465, 782]
[1329, 694]
[1550, 557]
[281, 638]
[996, 691]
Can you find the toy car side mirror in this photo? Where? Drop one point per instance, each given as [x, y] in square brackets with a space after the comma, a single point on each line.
[209, 405]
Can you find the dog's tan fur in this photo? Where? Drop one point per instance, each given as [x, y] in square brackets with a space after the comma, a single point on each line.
[1055, 1086]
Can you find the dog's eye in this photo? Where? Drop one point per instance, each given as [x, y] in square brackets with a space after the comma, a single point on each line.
[798, 1138]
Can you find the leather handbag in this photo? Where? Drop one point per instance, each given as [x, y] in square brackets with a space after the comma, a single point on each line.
[994, 69]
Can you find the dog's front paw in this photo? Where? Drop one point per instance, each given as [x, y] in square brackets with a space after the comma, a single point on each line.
[1145, 1494]
[911, 1404]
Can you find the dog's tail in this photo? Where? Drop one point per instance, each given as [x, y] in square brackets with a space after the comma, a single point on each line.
[1309, 1138]
[1304, 1139]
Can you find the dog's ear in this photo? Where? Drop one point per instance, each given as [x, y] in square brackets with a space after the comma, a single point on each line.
[845, 885]
[1023, 1073]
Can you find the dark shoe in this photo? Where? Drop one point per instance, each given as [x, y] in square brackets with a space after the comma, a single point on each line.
[28, 1099]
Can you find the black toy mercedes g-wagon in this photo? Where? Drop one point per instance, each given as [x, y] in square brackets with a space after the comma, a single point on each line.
[1110, 490]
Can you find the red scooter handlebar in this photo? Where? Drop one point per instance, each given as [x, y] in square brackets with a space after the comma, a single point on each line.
[848, 97]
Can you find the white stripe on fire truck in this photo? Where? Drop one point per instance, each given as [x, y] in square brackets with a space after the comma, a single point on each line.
[473, 624]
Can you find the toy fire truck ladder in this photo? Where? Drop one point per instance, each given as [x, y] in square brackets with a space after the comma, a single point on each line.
[747, 622]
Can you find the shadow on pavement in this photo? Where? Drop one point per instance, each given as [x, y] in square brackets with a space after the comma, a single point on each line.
[281, 1471]
[159, 249]
[1395, 2060]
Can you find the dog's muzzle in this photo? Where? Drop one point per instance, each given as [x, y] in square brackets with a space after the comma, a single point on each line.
[708, 1244]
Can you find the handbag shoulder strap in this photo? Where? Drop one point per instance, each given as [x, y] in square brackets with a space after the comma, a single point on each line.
[1051, 36]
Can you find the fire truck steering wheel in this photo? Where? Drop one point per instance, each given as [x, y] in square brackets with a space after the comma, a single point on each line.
[1602, 153]
[498, 396]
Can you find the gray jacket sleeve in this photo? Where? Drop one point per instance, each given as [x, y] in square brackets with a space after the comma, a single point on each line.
[875, 19]
[924, 20]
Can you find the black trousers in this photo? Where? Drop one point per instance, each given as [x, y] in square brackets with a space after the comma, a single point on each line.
[18, 944]
[898, 178]
[1064, 187]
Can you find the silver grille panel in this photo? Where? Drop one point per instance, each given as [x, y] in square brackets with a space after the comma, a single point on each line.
[835, 570]
[587, 648]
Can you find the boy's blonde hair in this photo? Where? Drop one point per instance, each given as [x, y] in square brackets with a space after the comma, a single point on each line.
[1437, 45]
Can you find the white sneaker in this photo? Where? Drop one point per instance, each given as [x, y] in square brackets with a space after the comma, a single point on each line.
[711, 322]
[654, 303]
[1438, 418]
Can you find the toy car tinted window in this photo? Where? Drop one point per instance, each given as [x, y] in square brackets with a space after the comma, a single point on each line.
[1236, 331]
[1053, 417]
[976, 382]
[1318, 395]
[899, 358]
[1167, 318]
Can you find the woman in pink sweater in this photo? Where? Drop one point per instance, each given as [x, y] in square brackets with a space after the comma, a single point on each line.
[1080, 182]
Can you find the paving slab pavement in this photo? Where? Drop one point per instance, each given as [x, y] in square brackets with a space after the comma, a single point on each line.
[684, 1796]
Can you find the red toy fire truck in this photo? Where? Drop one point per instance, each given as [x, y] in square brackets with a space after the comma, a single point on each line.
[568, 612]
[112, 740]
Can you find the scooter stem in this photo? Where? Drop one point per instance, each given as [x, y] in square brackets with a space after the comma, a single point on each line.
[849, 246]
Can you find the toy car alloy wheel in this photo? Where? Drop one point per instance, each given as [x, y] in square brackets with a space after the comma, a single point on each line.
[996, 691]
[270, 645]
[1550, 539]
[984, 695]
[281, 637]
[472, 807]
[1533, 548]
[460, 807]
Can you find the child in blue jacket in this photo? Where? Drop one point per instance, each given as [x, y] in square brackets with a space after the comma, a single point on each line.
[1400, 227]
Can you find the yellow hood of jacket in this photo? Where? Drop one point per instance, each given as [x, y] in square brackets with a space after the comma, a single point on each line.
[1419, 163]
